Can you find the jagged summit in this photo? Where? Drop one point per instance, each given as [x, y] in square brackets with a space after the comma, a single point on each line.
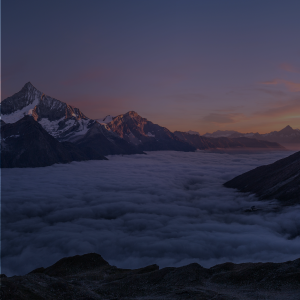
[30, 88]
[131, 113]
[146, 135]
[28, 85]
[287, 128]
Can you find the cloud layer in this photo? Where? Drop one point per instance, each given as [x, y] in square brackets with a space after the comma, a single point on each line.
[168, 208]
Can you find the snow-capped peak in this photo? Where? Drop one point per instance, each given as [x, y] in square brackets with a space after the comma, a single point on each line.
[61, 120]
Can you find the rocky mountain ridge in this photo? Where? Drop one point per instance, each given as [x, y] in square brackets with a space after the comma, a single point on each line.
[279, 180]
[127, 133]
[146, 135]
[90, 277]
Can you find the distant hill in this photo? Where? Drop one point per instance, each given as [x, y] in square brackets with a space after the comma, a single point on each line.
[202, 142]
[221, 133]
[287, 135]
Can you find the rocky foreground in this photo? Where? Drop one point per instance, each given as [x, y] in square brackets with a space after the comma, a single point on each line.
[90, 277]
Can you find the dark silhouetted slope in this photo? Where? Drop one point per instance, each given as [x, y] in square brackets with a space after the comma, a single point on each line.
[280, 180]
[27, 144]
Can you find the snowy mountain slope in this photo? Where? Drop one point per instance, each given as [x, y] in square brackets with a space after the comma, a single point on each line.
[62, 121]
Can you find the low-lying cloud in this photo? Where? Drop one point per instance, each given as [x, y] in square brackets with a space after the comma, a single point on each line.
[168, 208]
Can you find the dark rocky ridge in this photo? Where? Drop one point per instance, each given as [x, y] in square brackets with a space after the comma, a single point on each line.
[280, 180]
[27, 144]
[89, 277]
[146, 135]
[202, 142]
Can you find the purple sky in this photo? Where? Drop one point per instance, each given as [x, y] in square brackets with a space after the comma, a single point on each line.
[186, 65]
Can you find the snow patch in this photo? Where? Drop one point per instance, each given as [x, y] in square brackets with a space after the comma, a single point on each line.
[150, 134]
[51, 126]
[19, 114]
[11, 136]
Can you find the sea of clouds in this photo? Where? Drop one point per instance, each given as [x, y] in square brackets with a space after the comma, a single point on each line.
[168, 208]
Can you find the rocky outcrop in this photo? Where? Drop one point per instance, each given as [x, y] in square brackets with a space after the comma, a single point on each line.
[90, 277]
[27, 144]
[145, 135]
[280, 180]
[202, 142]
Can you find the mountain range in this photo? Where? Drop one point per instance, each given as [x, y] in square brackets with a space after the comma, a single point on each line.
[89, 276]
[202, 142]
[127, 133]
[287, 135]
[62, 121]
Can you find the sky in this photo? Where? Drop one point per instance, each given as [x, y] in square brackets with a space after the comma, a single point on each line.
[186, 65]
